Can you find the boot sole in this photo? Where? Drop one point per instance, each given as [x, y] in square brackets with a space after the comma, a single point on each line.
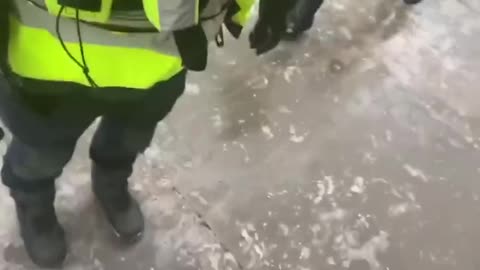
[49, 265]
[129, 240]
[57, 264]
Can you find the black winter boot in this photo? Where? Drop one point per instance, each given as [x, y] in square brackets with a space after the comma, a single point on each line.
[42, 235]
[121, 209]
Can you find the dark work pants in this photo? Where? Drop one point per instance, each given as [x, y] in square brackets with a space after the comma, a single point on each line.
[47, 118]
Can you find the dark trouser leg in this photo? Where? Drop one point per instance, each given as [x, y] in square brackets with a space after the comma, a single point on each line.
[30, 174]
[302, 16]
[31, 167]
[114, 150]
[30, 171]
[40, 148]
[43, 139]
[116, 144]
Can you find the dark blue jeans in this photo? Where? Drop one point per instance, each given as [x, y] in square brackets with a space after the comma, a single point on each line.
[47, 118]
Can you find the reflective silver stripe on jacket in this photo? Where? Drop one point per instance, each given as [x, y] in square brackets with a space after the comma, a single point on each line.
[32, 16]
[135, 18]
[177, 14]
[174, 14]
[163, 42]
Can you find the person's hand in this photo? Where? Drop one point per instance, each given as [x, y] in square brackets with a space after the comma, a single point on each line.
[271, 24]
[2, 134]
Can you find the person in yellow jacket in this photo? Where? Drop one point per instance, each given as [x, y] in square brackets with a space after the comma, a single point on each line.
[67, 62]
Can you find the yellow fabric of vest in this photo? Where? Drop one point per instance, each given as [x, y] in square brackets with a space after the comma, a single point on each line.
[37, 54]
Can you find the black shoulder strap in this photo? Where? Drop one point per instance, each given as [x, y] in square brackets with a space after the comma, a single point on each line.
[192, 45]
[232, 27]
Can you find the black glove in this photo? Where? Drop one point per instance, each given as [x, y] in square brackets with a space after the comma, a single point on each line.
[271, 24]
[2, 134]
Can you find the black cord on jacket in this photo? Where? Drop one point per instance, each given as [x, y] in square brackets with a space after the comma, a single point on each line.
[83, 64]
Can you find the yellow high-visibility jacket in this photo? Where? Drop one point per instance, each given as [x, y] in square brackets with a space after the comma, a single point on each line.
[139, 57]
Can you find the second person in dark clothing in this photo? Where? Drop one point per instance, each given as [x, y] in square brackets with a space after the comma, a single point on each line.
[302, 16]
